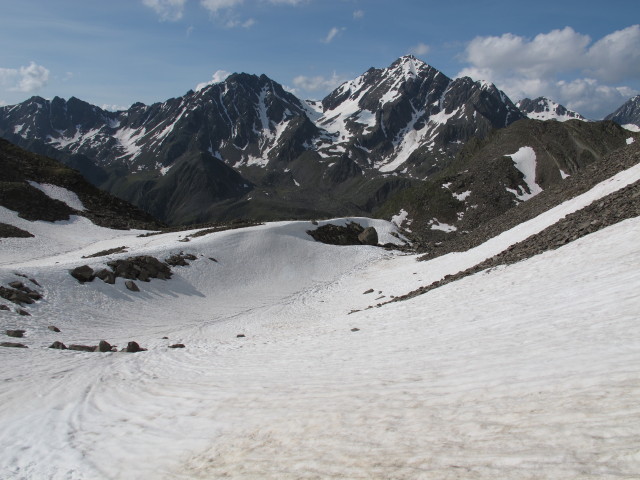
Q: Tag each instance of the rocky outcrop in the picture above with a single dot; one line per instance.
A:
(19, 293)
(141, 268)
(351, 234)
(83, 273)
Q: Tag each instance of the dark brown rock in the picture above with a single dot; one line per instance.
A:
(177, 345)
(54, 328)
(12, 344)
(58, 345)
(24, 313)
(15, 333)
(107, 276)
(83, 273)
(82, 348)
(3, 307)
(133, 347)
(103, 346)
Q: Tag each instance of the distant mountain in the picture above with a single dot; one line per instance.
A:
(628, 113)
(544, 109)
(24, 176)
(246, 147)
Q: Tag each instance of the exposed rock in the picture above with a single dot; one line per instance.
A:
(15, 333)
(107, 276)
(180, 259)
(131, 285)
(83, 273)
(19, 293)
(12, 344)
(133, 347)
(355, 329)
(240, 335)
(141, 268)
(10, 231)
(103, 346)
(58, 345)
(104, 253)
(24, 313)
(177, 345)
(338, 235)
(82, 348)
(54, 328)
(368, 291)
(3, 307)
(369, 236)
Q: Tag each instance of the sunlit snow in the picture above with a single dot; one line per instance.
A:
(525, 161)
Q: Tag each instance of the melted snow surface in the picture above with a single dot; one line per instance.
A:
(528, 371)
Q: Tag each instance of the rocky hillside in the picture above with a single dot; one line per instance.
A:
(25, 179)
(510, 168)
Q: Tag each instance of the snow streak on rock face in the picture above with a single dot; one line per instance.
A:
(525, 161)
(525, 371)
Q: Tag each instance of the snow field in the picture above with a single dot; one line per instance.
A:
(528, 371)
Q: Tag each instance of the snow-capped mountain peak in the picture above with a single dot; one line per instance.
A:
(543, 108)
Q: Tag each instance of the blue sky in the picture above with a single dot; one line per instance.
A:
(584, 54)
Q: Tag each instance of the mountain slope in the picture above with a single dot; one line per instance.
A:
(628, 113)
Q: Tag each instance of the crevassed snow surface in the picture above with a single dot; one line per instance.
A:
(525, 161)
(529, 371)
(59, 193)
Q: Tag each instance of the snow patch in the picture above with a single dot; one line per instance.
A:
(525, 161)
(631, 127)
(59, 193)
(630, 140)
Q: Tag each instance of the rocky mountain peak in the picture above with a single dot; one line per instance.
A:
(542, 108)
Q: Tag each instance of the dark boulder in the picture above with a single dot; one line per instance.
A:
(82, 348)
(177, 345)
(58, 346)
(83, 274)
(24, 313)
(15, 333)
(12, 344)
(107, 276)
(4, 307)
(133, 347)
(103, 346)
(131, 285)
(53, 328)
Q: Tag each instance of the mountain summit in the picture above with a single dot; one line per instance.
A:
(543, 108)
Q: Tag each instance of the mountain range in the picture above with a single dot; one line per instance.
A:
(247, 148)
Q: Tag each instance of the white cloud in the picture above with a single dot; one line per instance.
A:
(237, 23)
(420, 49)
(25, 79)
(318, 83)
(167, 10)
(113, 108)
(358, 14)
(562, 64)
(217, 77)
(214, 6)
(287, 2)
(333, 33)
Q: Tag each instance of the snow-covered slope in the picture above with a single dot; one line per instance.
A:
(543, 108)
(528, 371)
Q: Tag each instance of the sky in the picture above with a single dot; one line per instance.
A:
(584, 54)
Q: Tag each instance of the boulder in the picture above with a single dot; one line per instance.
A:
(15, 333)
(177, 345)
(82, 348)
(369, 236)
(131, 285)
(83, 273)
(24, 313)
(133, 347)
(107, 276)
(103, 346)
(58, 345)
(12, 344)
(54, 328)
(4, 307)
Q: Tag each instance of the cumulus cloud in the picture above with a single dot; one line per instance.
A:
(420, 49)
(358, 14)
(562, 64)
(318, 83)
(217, 77)
(214, 6)
(167, 10)
(333, 33)
(24, 79)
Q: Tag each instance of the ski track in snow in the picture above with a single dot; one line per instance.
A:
(529, 371)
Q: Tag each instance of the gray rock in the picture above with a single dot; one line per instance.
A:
(4, 307)
(369, 236)
(131, 285)
(82, 348)
(24, 313)
(177, 345)
(54, 328)
(368, 291)
(83, 273)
